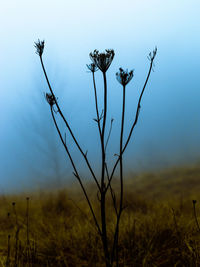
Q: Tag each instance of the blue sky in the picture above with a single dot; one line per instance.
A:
(168, 131)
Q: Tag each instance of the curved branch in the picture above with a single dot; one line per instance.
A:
(66, 123)
(111, 122)
(116, 235)
(76, 174)
(135, 121)
(96, 104)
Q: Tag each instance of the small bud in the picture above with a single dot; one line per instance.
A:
(92, 67)
(50, 99)
(153, 54)
(39, 45)
(124, 77)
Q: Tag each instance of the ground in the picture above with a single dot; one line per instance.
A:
(158, 226)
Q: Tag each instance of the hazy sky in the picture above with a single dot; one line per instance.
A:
(168, 130)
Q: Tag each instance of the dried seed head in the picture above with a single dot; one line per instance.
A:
(39, 45)
(152, 55)
(50, 99)
(102, 60)
(124, 77)
(92, 67)
(194, 202)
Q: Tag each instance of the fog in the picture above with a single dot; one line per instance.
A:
(168, 130)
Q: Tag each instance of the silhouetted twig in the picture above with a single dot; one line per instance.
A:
(76, 174)
(136, 116)
(40, 47)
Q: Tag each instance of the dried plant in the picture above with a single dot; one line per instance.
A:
(102, 62)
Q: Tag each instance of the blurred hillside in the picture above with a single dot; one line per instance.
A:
(54, 228)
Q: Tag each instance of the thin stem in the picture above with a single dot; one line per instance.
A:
(111, 122)
(175, 223)
(8, 253)
(138, 107)
(76, 173)
(27, 221)
(103, 131)
(195, 214)
(66, 123)
(105, 103)
(134, 123)
(16, 235)
(121, 145)
(114, 248)
(27, 231)
(116, 236)
(103, 193)
(111, 191)
(96, 104)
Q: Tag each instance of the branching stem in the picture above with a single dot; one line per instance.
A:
(96, 104)
(134, 123)
(76, 172)
(111, 122)
(101, 61)
(103, 193)
(116, 235)
(67, 125)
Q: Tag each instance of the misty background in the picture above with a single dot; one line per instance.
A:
(168, 130)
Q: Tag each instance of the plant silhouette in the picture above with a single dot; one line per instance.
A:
(102, 62)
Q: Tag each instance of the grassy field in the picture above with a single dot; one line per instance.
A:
(158, 226)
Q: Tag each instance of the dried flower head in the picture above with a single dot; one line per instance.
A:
(92, 67)
(124, 77)
(50, 99)
(39, 45)
(152, 55)
(102, 60)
